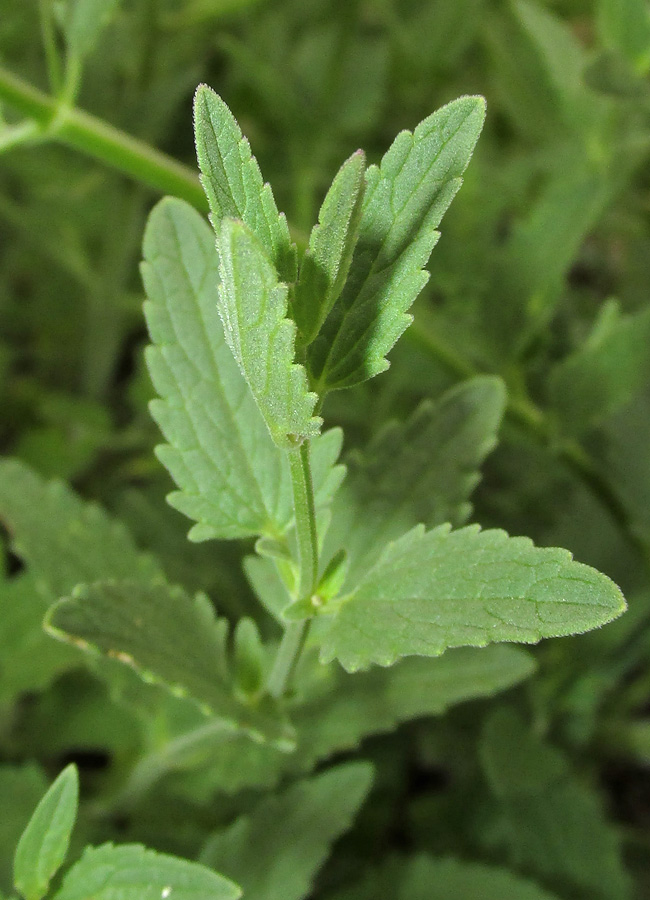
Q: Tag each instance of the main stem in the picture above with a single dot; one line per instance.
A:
(295, 634)
(102, 141)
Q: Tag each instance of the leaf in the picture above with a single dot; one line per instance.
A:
(327, 261)
(347, 710)
(430, 591)
(555, 826)
(131, 872)
(168, 639)
(29, 659)
(63, 539)
(84, 22)
(605, 373)
(253, 308)
(427, 878)
(44, 843)
(233, 182)
(405, 200)
(624, 26)
(275, 852)
(233, 480)
(21, 789)
(422, 470)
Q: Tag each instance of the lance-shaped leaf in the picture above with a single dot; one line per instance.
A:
(169, 639)
(63, 539)
(253, 307)
(554, 824)
(327, 260)
(233, 480)
(421, 471)
(131, 872)
(43, 846)
(405, 199)
(233, 182)
(275, 852)
(430, 591)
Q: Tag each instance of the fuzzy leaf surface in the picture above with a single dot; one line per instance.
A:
(275, 852)
(233, 480)
(430, 591)
(233, 182)
(327, 260)
(167, 637)
(131, 872)
(254, 308)
(422, 470)
(44, 843)
(405, 200)
(63, 539)
(555, 825)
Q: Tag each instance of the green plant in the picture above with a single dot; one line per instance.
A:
(319, 693)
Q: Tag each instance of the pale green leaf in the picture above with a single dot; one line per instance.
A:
(84, 22)
(131, 872)
(275, 852)
(21, 789)
(233, 480)
(233, 182)
(326, 263)
(63, 539)
(421, 471)
(44, 843)
(427, 878)
(168, 638)
(555, 824)
(405, 200)
(430, 591)
(605, 373)
(254, 309)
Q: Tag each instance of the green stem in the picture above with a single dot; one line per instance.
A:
(49, 42)
(98, 139)
(295, 634)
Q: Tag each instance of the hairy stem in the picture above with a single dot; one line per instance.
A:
(102, 141)
(295, 635)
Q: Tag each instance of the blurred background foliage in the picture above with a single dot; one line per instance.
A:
(541, 276)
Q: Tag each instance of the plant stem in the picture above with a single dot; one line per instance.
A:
(50, 45)
(295, 634)
(96, 138)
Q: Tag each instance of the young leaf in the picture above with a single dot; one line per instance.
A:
(326, 263)
(21, 790)
(233, 182)
(555, 825)
(131, 872)
(405, 200)
(430, 591)
(233, 480)
(253, 307)
(603, 375)
(421, 471)
(43, 846)
(275, 852)
(168, 638)
(64, 540)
